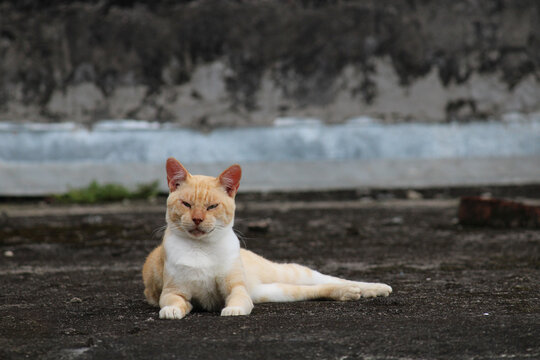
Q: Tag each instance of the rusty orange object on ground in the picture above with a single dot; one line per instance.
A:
(474, 210)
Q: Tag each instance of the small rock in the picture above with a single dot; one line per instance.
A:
(69, 331)
(316, 223)
(259, 226)
(8, 253)
(93, 219)
(396, 220)
(75, 300)
(352, 230)
(414, 195)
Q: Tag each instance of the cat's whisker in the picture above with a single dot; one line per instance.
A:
(158, 230)
(241, 234)
(243, 220)
(174, 227)
(241, 237)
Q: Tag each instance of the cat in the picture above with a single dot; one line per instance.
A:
(200, 262)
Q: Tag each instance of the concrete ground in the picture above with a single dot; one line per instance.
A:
(70, 284)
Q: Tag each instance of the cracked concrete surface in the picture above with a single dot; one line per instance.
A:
(72, 288)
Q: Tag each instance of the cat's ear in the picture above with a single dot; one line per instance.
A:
(230, 179)
(176, 173)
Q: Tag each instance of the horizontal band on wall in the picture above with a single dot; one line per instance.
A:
(37, 179)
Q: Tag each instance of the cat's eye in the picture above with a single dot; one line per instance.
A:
(212, 207)
(186, 204)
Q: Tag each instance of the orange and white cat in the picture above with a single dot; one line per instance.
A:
(200, 261)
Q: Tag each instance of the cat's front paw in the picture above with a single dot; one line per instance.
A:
(375, 289)
(234, 311)
(171, 312)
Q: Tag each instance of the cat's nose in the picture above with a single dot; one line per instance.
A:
(197, 221)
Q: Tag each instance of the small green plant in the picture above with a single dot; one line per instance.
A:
(98, 193)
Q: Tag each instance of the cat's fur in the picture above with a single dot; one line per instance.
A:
(200, 261)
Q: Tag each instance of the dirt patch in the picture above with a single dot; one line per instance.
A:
(72, 287)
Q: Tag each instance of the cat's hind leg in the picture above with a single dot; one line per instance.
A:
(153, 276)
(277, 292)
(302, 275)
(373, 289)
(261, 270)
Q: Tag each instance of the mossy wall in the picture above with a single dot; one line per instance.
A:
(206, 64)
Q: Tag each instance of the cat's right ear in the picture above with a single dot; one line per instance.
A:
(230, 179)
(176, 173)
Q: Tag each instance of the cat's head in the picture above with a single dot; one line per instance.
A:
(198, 205)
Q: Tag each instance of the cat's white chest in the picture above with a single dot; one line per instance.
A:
(199, 268)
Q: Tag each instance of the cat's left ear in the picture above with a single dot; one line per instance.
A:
(230, 179)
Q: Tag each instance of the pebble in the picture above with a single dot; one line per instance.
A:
(93, 219)
(8, 253)
(75, 300)
(414, 195)
(396, 220)
(69, 331)
(259, 226)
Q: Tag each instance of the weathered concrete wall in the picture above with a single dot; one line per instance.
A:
(216, 63)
